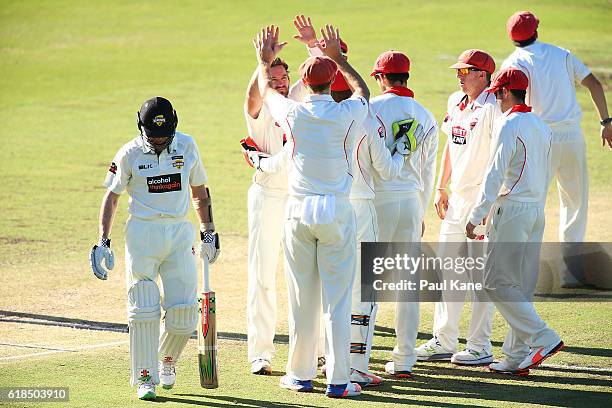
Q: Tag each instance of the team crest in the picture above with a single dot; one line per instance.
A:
(159, 120)
(113, 168)
(381, 132)
(178, 163)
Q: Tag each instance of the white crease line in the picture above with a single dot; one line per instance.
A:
(34, 346)
(91, 346)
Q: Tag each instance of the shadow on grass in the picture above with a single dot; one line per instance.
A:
(225, 401)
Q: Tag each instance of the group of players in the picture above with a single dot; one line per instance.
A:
(334, 169)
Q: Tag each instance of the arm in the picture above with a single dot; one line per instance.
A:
(441, 197)
(253, 100)
(108, 209)
(599, 100)
(386, 165)
(428, 171)
(210, 245)
(279, 161)
(332, 50)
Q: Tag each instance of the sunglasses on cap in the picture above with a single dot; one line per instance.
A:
(465, 71)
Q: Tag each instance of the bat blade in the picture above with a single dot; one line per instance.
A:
(207, 342)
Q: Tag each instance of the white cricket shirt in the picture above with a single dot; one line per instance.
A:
(553, 73)
(520, 163)
(417, 174)
(158, 186)
(320, 130)
(371, 156)
(469, 127)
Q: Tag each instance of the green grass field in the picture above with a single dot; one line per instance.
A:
(72, 76)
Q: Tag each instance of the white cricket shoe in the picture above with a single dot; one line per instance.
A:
(390, 369)
(506, 367)
(261, 366)
(146, 388)
(167, 374)
(433, 351)
(539, 354)
(471, 356)
(364, 379)
(343, 390)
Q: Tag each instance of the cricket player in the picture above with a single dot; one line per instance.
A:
(266, 202)
(160, 169)
(471, 113)
(553, 73)
(400, 201)
(513, 196)
(319, 230)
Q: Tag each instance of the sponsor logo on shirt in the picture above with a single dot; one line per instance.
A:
(113, 168)
(145, 166)
(164, 183)
(459, 135)
(381, 132)
(180, 156)
(179, 163)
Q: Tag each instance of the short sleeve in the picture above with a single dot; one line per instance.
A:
(197, 174)
(119, 173)
(298, 92)
(356, 107)
(577, 68)
(278, 106)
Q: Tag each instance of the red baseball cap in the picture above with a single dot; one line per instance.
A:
(391, 62)
(509, 78)
(522, 25)
(475, 59)
(318, 70)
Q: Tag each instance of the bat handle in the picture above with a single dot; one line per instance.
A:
(205, 275)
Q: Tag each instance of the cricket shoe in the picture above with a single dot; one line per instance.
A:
(261, 366)
(146, 388)
(433, 351)
(167, 373)
(538, 355)
(294, 384)
(343, 390)
(390, 369)
(364, 379)
(470, 356)
(504, 367)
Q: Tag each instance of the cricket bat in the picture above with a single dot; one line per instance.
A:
(207, 334)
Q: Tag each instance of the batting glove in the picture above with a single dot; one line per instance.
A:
(210, 246)
(102, 253)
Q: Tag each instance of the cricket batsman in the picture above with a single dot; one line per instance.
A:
(513, 196)
(471, 113)
(161, 170)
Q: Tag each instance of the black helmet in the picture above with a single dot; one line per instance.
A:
(157, 118)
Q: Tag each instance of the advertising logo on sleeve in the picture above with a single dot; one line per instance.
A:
(459, 135)
(164, 183)
(113, 168)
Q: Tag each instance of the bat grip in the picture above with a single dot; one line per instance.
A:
(205, 275)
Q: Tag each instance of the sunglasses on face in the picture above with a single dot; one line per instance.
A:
(465, 71)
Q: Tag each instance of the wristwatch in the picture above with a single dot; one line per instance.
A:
(605, 121)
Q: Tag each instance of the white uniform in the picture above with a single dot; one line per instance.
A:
(400, 204)
(514, 194)
(469, 128)
(266, 201)
(319, 228)
(553, 73)
(158, 242)
(371, 156)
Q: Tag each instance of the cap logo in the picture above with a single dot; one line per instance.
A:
(159, 120)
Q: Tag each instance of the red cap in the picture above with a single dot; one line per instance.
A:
(340, 83)
(318, 70)
(475, 59)
(391, 62)
(522, 25)
(509, 78)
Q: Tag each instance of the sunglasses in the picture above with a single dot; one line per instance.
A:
(465, 71)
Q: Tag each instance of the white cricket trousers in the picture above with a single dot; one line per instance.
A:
(447, 315)
(266, 208)
(363, 313)
(568, 161)
(515, 232)
(319, 263)
(160, 248)
(400, 215)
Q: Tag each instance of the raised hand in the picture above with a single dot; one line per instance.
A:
(266, 44)
(331, 49)
(306, 32)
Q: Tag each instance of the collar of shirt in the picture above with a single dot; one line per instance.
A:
(519, 108)
(318, 97)
(146, 149)
(400, 91)
(478, 102)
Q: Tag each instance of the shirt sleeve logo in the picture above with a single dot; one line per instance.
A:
(164, 183)
(113, 168)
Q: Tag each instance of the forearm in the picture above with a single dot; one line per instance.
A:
(445, 170)
(108, 209)
(202, 204)
(262, 79)
(597, 95)
(254, 101)
(353, 79)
